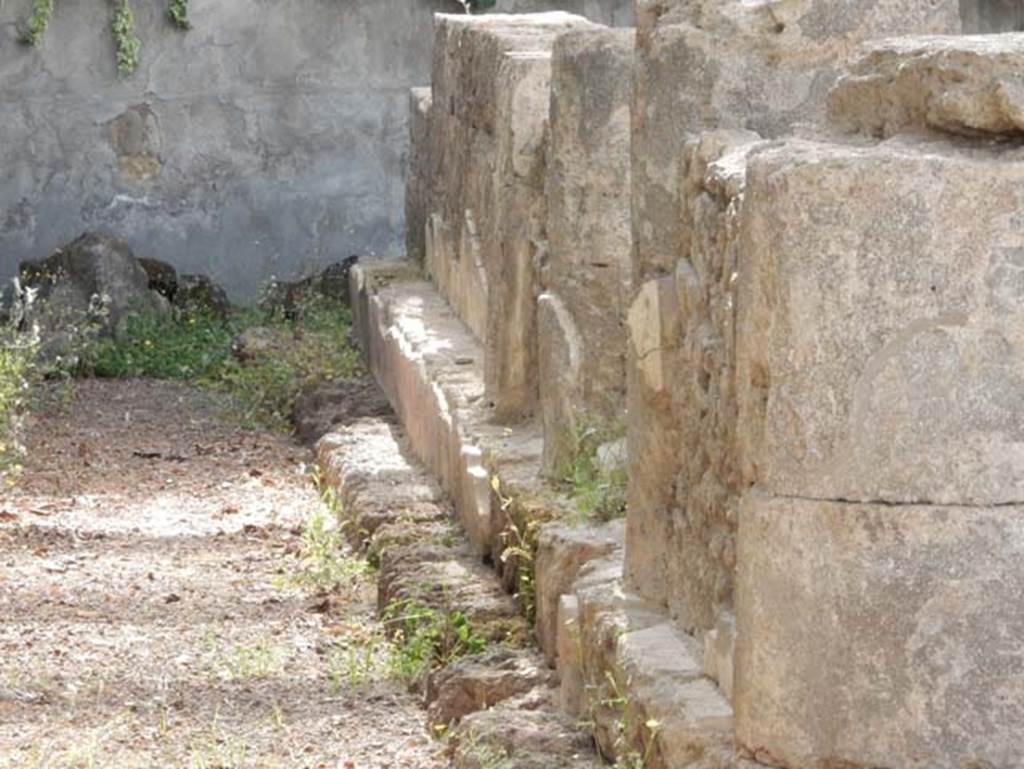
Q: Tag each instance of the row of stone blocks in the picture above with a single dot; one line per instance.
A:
(820, 360)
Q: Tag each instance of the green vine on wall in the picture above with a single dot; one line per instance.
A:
(177, 12)
(127, 45)
(126, 42)
(42, 11)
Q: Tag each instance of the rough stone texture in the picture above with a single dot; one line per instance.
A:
(571, 697)
(431, 368)
(880, 635)
(526, 732)
(709, 64)
(367, 464)
(198, 293)
(420, 176)
(562, 551)
(964, 85)
(636, 666)
(481, 681)
(328, 405)
(92, 285)
(719, 66)
(683, 468)
(581, 335)
(881, 342)
(269, 139)
(447, 577)
(491, 91)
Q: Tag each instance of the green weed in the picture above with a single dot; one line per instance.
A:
(598, 491)
(19, 374)
(428, 638)
(264, 388)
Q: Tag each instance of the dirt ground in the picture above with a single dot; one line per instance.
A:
(147, 617)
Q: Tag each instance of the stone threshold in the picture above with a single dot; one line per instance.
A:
(625, 670)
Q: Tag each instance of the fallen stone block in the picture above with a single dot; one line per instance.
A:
(968, 85)
(879, 635)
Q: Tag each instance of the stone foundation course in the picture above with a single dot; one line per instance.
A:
(780, 247)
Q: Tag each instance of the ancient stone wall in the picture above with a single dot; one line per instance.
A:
(705, 66)
(269, 139)
(824, 388)
(586, 277)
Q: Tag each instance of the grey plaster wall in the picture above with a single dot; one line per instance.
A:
(268, 140)
(992, 15)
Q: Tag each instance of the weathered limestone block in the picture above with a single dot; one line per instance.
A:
(561, 552)
(881, 323)
(762, 66)
(880, 635)
(420, 175)
(636, 668)
(683, 468)
(491, 92)
(525, 732)
(571, 697)
(970, 85)
(481, 681)
(589, 240)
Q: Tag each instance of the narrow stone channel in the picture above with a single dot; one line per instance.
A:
(149, 610)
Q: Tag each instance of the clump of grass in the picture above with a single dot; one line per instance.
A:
(598, 490)
(326, 564)
(260, 659)
(309, 348)
(19, 374)
(428, 638)
(191, 346)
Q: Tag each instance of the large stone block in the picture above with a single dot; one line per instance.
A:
(589, 240)
(562, 551)
(419, 178)
(969, 85)
(762, 66)
(491, 92)
(734, 68)
(881, 323)
(880, 635)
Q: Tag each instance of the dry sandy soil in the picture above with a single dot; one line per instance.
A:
(147, 614)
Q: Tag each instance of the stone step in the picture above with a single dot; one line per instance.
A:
(624, 666)
(391, 506)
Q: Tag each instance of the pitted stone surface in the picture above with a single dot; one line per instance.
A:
(880, 328)
(587, 277)
(481, 681)
(761, 66)
(562, 551)
(968, 85)
(491, 89)
(879, 635)
(684, 467)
